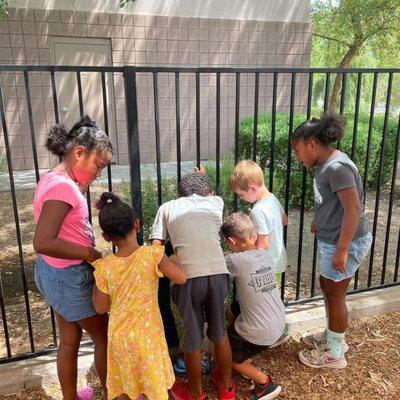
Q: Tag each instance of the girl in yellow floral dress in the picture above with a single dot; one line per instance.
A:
(126, 286)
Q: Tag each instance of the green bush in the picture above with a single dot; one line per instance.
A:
(296, 173)
(150, 199)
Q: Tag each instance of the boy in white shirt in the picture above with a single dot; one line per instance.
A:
(192, 224)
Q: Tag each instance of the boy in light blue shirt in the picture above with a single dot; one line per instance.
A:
(247, 181)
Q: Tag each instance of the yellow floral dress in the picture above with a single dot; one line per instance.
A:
(137, 356)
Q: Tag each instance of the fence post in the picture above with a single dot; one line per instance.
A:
(133, 142)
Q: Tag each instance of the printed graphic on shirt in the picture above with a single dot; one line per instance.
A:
(89, 231)
(263, 280)
(317, 194)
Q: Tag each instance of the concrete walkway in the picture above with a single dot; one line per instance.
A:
(42, 370)
(26, 179)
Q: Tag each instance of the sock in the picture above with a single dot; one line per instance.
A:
(335, 342)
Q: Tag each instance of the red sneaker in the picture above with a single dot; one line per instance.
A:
(224, 394)
(180, 391)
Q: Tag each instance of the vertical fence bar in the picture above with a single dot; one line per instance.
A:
(303, 196)
(31, 125)
(82, 112)
(378, 189)
(16, 219)
(157, 131)
(218, 135)
(57, 120)
(237, 121)
(396, 265)
(198, 148)
(273, 132)
(391, 201)
(178, 128)
(54, 93)
(370, 127)
(356, 115)
(327, 89)
(342, 103)
(367, 157)
(256, 87)
(343, 94)
(288, 168)
(106, 128)
(133, 143)
(4, 317)
(354, 144)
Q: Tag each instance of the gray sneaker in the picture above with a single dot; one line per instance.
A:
(322, 357)
(317, 340)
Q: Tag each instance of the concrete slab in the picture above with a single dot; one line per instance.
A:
(27, 179)
(42, 370)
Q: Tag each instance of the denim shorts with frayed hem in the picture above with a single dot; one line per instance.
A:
(67, 290)
(358, 250)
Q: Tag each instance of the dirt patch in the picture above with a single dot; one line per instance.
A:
(40, 314)
(372, 372)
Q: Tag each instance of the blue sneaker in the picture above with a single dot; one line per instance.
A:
(180, 368)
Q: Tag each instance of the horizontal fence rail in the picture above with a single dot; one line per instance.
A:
(245, 112)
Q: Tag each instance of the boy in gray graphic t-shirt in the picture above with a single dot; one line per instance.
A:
(260, 313)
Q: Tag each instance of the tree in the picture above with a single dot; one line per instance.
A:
(348, 28)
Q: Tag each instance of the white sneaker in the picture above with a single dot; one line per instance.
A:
(322, 357)
(318, 339)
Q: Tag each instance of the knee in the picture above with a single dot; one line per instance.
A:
(69, 345)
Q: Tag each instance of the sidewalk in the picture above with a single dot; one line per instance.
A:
(27, 180)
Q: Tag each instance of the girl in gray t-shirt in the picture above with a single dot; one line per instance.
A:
(341, 229)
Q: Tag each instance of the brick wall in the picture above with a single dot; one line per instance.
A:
(26, 38)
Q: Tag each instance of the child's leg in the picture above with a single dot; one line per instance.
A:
(247, 369)
(67, 356)
(322, 284)
(335, 293)
(96, 327)
(193, 369)
(223, 355)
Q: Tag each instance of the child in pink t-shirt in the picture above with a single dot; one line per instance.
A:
(64, 241)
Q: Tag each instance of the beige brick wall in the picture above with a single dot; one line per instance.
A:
(26, 38)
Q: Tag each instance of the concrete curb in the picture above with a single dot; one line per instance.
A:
(42, 370)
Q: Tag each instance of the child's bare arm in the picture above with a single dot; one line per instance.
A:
(156, 242)
(285, 219)
(101, 301)
(262, 241)
(171, 268)
(351, 206)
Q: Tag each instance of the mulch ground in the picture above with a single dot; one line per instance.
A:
(372, 373)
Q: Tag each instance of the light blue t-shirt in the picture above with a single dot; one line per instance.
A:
(267, 217)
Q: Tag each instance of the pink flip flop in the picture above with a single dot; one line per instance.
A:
(85, 393)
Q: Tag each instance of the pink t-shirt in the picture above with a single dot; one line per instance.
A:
(76, 227)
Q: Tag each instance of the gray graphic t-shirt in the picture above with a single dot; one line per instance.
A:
(338, 173)
(262, 317)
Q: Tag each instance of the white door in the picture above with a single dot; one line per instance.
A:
(84, 52)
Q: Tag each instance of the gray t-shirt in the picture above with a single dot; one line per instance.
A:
(192, 223)
(262, 317)
(337, 173)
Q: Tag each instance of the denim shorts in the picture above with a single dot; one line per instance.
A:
(67, 290)
(358, 250)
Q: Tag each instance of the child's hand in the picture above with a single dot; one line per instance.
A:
(339, 259)
(200, 169)
(313, 228)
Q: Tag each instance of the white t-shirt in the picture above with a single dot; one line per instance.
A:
(267, 217)
(192, 224)
(262, 313)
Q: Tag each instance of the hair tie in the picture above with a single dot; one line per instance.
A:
(109, 201)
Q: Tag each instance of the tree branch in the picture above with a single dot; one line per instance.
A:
(331, 38)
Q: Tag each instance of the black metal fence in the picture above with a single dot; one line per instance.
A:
(383, 221)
